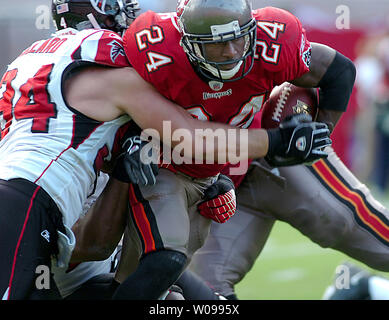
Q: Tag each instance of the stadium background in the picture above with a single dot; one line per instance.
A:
(291, 266)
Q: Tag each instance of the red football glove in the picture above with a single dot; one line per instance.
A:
(220, 200)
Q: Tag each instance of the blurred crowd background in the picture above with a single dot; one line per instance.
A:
(357, 28)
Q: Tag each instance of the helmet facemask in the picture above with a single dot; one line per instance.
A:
(127, 12)
(115, 15)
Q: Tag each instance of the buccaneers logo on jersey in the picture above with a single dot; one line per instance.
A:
(116, 50)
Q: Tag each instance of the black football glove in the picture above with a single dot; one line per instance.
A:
(129, 166)
(297, 140)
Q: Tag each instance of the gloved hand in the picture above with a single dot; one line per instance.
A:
(129, 166)
(219, 200)
(297, 140)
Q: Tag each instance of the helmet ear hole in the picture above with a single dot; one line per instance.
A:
(109, 22)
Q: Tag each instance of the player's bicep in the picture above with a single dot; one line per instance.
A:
(321, 58)
(90, 92)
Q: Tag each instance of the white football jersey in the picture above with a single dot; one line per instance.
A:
(69, 281)
(43, 139)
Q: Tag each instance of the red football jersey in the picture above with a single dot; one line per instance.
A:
(152, 45)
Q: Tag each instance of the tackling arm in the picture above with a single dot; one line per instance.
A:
(149, 109)
(334, 74)
(117, 91)
(252, 143)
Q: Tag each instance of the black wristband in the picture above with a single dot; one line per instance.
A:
(337, 84)
(275, 142)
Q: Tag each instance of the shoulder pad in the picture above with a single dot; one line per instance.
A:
(152, 45)
(282, 43)
(103, 47)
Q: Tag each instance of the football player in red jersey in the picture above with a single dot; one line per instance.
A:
(62, 102)
(219, 69)
(325, 202)
(214, 61)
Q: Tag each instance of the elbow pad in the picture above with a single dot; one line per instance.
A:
(337, 84)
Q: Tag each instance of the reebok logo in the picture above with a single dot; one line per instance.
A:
(301, 143)
(46, 234)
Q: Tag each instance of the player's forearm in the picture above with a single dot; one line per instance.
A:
(258, 142)
(226, 143)
(334, 74)
(174, 126)
(99, 231)
(207, 141)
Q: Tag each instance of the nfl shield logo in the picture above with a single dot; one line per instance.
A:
(216, 85)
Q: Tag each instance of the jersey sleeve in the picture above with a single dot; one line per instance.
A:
(149, 49)
(102, 47)
(281, 33)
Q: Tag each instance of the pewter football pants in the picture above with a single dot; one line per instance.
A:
(325, 202)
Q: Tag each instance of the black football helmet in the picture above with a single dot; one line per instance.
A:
(115, 15)
(216, 21)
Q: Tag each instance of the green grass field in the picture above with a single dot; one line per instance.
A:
(290, 267)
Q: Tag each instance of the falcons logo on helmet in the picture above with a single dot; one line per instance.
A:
(116, 50)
